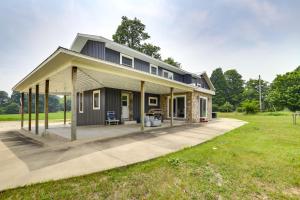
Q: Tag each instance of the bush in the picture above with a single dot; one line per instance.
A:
(226, 107)
(250, 106)
(215, 108)
(12, 108)
(240, 109)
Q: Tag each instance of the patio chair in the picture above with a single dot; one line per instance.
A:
(111, 118)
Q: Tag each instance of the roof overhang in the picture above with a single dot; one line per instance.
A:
(62, 59)
(81, 39)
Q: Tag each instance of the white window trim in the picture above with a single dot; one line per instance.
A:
(202, 97)
(96, 92)
(153, 104)
(168, 74)
(150, 70)
(175, 96)
(79, 100)
(126, 56)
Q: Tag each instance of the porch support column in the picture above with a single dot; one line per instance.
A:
(46, 105)
(29, 108)
(74, 105)
(172, 105)
(142, 105)
(37, 109)
(22, 109)
(65, 109)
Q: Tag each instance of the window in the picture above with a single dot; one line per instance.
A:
(126, 60)
(167, 74)
(153, 69)
(153, 101)
(203, 106)
(96, 100)
(125, 100)
(80, 103)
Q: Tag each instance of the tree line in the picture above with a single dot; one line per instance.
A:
(11, 104)
(235, 94)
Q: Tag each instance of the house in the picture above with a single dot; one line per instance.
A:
(101, 75)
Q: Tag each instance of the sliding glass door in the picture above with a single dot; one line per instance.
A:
(179, 107)
(203, 107)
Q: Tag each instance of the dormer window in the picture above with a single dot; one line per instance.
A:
(126, 60)
(168, 74)
(153, 69)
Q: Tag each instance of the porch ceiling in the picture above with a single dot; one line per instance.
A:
(92, 74)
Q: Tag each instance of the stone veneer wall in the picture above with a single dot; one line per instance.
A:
(196, 106)
(192, 105)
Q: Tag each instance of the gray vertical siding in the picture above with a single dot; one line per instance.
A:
(137, 104)
(98, 50)
(187, 78)
(110, 101)
(94, 49)
(147, 107)
(90, 116)
(178, 77)
(141, 65)
(202, 81)
(113, 101)
(112, 56)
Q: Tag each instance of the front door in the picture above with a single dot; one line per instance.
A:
(125, 106)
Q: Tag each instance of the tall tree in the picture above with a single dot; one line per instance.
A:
(251, 90)
(131, 32)
(218, 80)
(171, 61)
(4, 98)
(285, 91)
(235, 87)
(151, 50)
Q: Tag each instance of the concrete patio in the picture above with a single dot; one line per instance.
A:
(104, 131)
(26, 158)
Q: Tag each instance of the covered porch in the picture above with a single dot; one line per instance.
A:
(69, 73)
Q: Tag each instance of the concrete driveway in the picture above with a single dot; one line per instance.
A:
(28, 159)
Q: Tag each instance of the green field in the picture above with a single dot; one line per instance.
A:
(260, 160)
(52, 116)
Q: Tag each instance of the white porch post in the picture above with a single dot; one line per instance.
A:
(74, 105)
(172, 105)
(142, 105)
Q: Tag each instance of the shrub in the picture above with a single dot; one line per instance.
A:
(240, 109)
(215, 108)
(226, 107)
(12, 108)
(250, 106)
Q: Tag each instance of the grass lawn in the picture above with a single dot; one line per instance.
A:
(257, 161)
(52, 116)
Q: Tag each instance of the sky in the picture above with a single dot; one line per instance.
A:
(252, 36)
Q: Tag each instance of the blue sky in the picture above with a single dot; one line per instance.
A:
(253, 36)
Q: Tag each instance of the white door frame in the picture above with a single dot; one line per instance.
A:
(127, 99)
(206, 99)
(175, 97)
